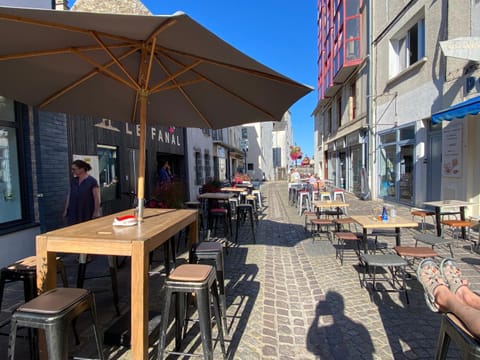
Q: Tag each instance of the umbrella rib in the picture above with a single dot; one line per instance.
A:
(112, 56)
(62, 27)
(159, 88)
(57, 51)
(261, 74)
(85, 78)
(171, 77)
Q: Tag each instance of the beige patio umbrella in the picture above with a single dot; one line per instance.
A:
(166, 70)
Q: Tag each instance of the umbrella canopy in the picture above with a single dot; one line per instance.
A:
(166, 70)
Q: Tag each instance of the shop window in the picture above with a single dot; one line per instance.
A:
(108, 172)
(12, 188)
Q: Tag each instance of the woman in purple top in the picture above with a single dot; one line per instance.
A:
(83, 200)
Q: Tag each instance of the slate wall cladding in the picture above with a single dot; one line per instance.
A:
(53, 168)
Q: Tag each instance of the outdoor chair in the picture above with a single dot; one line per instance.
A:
(433, 241)
(393, 263)
(452, 328)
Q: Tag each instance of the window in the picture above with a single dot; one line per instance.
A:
(12, 188)
(198, 169)
(208, 169)
(352, 101)
(108, 172)
(339, 112)
(409, 47)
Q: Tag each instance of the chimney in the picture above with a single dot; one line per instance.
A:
(61, 5)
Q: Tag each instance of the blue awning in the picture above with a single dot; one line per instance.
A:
(468, 107)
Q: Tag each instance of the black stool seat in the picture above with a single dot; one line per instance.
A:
(53, 311)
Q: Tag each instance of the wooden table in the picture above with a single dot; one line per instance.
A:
(445, 204)
(100, 237)
(329, 204)
(370, 223)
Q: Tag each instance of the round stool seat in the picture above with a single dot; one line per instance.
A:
(458, 223)
(346, 236)
(422, 213)
(191, 272)
(418, 252)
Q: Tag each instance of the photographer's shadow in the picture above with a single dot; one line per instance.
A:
(331, 330)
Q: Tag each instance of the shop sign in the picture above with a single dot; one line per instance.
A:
(163, 135)
(340, 143)
(353, 138)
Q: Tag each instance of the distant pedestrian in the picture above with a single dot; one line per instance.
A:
(83, 200)
(164, 174)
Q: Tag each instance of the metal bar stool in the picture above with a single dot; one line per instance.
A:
(212, 252)
(53, 311)
(201, 280)
(26, 270)
(242, 211)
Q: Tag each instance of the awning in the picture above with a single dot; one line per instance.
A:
(468, 107)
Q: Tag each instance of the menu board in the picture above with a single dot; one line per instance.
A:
(452, 150)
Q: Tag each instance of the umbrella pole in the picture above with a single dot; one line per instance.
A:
(141, 156)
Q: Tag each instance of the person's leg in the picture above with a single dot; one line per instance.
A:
(453, 276)
(440, 298)
(449, 302)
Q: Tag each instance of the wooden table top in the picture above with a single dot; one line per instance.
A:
(215, 196)
(331, 203)
(448, 203)
(94, 234)
(234, 189)
(370, 222)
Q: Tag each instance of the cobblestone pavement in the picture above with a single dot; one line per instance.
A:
(289, 298)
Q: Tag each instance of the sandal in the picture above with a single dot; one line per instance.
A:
(452, 274)
(429, 275)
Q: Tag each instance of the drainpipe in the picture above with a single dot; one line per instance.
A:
(370, 121)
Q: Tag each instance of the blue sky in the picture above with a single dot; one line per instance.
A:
(279, 33)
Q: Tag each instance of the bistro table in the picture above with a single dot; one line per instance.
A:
(371, 223)
(100, 237)
(446, 204)
(330, 204)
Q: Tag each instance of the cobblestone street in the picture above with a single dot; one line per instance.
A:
(289, 298)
